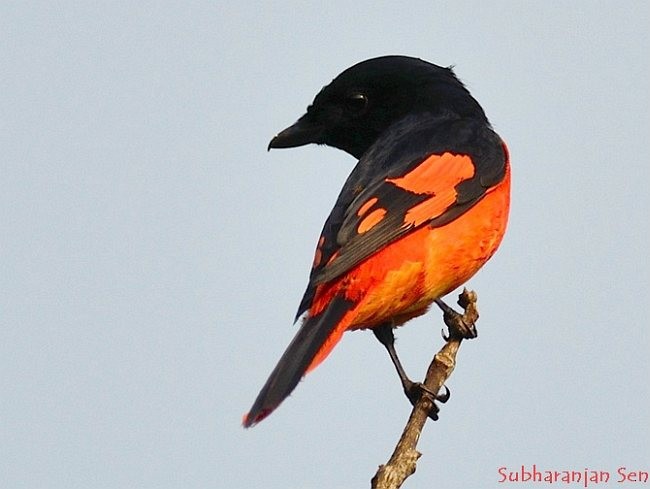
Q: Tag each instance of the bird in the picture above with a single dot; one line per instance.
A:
(425, 207)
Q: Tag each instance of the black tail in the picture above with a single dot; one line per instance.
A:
(296, 359)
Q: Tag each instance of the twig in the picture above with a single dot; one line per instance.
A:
(402, 462)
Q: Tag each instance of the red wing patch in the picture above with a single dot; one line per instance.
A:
(436, 173)
(318, 256)
(437, 176)
(366, 207)
(397, 205)
(371, 220)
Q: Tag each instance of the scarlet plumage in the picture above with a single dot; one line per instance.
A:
(423, 210)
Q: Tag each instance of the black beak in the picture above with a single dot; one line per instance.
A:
(301, 133)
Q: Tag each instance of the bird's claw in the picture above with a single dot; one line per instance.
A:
(416, 390)
(460, 325)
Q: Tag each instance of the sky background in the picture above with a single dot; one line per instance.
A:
(153, 253)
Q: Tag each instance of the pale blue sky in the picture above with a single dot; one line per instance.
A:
(153, 253)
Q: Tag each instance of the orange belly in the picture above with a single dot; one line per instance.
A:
(403, 279)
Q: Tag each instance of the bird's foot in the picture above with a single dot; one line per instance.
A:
(460, 325)
(416, 390)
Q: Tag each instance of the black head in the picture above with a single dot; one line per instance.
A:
(362, 102)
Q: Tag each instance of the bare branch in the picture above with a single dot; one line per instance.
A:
(402, 462)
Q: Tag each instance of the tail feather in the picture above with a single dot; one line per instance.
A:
(314, 340)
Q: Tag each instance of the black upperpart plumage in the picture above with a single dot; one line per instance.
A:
(406, 121)
(366, 99)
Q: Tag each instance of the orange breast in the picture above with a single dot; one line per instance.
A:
(456, 251)
(402, 280)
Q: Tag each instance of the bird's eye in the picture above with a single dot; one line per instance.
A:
(356, 103)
